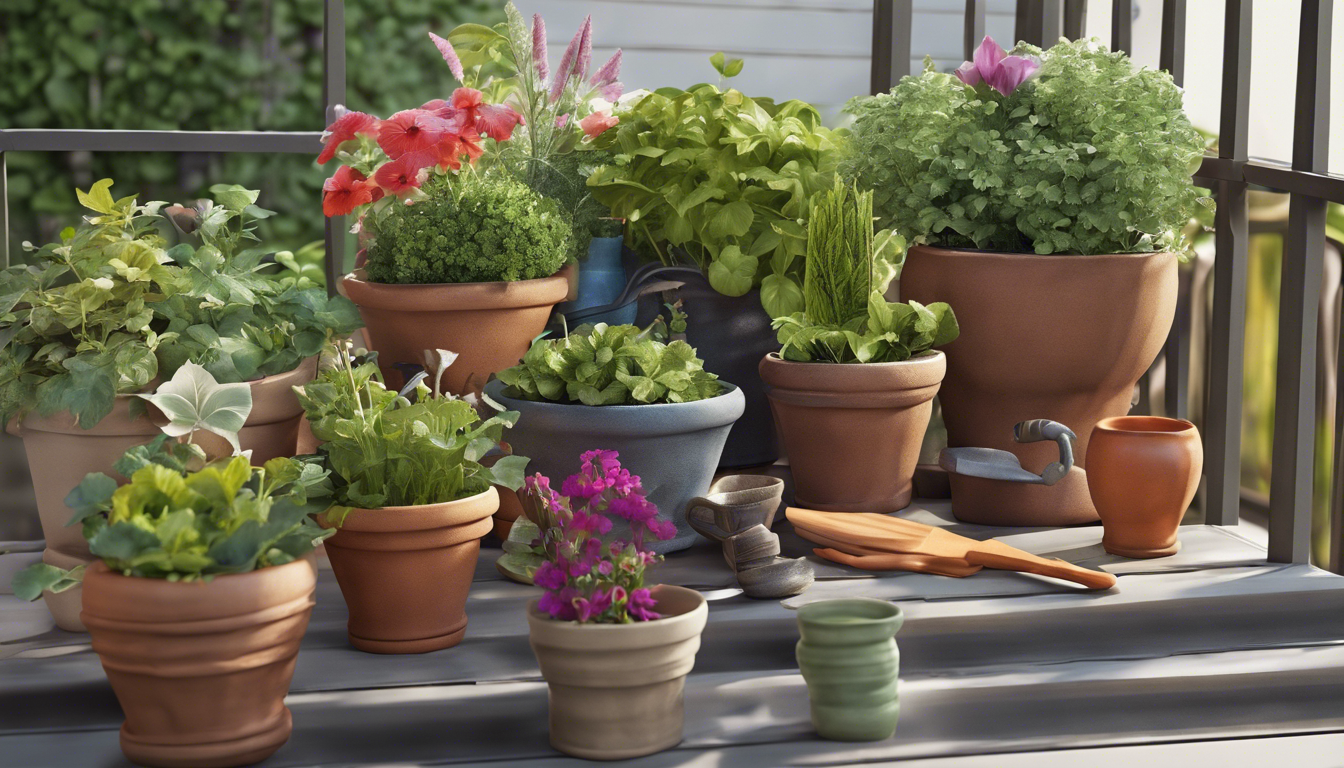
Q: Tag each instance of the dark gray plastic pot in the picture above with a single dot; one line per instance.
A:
(673, 447)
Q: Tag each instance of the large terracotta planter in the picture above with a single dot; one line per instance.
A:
(853, 431)
(489, 325)
(616, 689)
(850, 662)
(1064, 338)
(673, 447)
(60, 454)
(405, 571)
(1142, 473)
(201, 669)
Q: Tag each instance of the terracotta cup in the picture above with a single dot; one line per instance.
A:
(853, 431)
(405, 571)
(1143, 472)
(489, 325)
(61, 453)
(200, 668)
(849, 660)
(616, 690)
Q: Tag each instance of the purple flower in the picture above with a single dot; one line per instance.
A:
(567, 63)
(580, 487)
(641, 604)
(585, 56)
(539, 47)
(605, 567)
(549, 576)
(996, 68)
(449, 55)
(559, 604)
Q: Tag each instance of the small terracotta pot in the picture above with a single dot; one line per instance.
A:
(850, 662)
(853, 431)
(1042, 337)
(1143, 472)
(616, 689)
(201, 668)
(405, 571)
(489, 325)
(60, 454)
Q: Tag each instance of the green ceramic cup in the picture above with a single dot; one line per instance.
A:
(849, 660)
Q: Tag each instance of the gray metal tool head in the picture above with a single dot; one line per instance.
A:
(994, 464)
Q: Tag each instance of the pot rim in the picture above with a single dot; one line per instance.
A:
(924, 358)
(448, 297)
(833, 617)
(224, 596)
(1140, 425)
(974, 253)
(662, 631)
(724, 408)
(419, 517)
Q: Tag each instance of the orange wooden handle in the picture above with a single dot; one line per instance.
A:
(1041, 567)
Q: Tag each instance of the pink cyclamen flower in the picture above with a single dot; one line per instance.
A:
(597, 123)
(345, 128)
(410, 131)
(996, 68)
(449, 55)
(539, 47)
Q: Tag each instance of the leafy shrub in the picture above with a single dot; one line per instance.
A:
(475, 229)
(722, 177)
(610, 365)
(116, 304)
(386, 451)
(1091, 156)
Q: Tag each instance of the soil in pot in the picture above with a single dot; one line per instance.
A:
(200, 668)
(60, 454)
(489, 325)
(405, 571)
(616, 690)
(1064, 338)
(853, 431)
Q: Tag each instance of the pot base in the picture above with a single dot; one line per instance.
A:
(896, 504)
(418, 645)
(615, 754)
(1141, 554)
(995, 502)
(219, 754)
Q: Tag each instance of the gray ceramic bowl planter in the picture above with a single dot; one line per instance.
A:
(673, 447)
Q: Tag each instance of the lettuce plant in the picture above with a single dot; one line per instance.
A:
(610, 365)
(137, 291)
(384, 450)
(1086, 154)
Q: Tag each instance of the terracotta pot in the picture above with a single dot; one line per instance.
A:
(1143, 472)
(616, 689)
(1064, 338)
(405, 571)
(850, 662)
(489, 325)
(60, 454)
(853, 431)
(201, 669)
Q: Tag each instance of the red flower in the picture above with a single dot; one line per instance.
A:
(446, 112)
(345, 191)
(452, 149)
(468, 99)
(345, 128)
(495, 121)
(595, 124)
(411, 130)
(404, 173)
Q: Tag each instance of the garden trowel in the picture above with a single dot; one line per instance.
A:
(994, 464)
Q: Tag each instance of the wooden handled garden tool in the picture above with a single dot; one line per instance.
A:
(858, 556)
(897, 536)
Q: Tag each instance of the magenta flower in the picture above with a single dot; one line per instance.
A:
(548, 576)
(641, 604)
(539, 47)
(996, 68)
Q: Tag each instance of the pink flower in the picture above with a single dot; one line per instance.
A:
(495, 121)
(345, 128)
(596, 123)
(345, 191)
(449, 55)
(567, 62)
(401, 175)
(641, 604)
(996, 68)
(539, 47)
(607, 78)
(548, 576)
(559, 604)
(410, 130)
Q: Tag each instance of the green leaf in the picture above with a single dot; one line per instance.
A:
(732, 273)
(732, 220)
(193, 400)
(234, 197)
(29, 583)
(91, 496)
(98, 198)
(508, 471)
(781, 296)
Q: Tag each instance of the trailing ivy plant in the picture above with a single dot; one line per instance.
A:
(1091, 155)
(136, 291)
(723, 180)
(394, 449)
(611, 365)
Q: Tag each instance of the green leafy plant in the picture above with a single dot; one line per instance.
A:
(385, 450)
(192, 400)
(611, 365)
(722, 180)
(470, 229)
(846, 319)
(1092, 155)
(137, 291)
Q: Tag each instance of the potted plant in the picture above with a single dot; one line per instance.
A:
(1045, 193)
(413, 500)
(711, 178)
(620, 386)
(122, 302)
(614, 653)
(199, 595)
(852, 386)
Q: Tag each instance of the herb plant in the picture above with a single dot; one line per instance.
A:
(588, 579)
(846, 319)
(1090, 156)
(136, 291)
(384, 450)
(479, 228)
(723, 180)
(610, 365)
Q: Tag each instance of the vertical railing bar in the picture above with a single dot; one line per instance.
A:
(902, 29)
(1236, 100)
(1027, 24)
(4, 211)
(1336, 562)
(879, 76)
(1052, 22)
(1075, 18)
(1173, 39)
(333, 99)
(974, 26)
(1122, 25)
(1292, 473)
(1176, 400)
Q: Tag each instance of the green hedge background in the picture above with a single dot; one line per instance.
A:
(202, 65)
